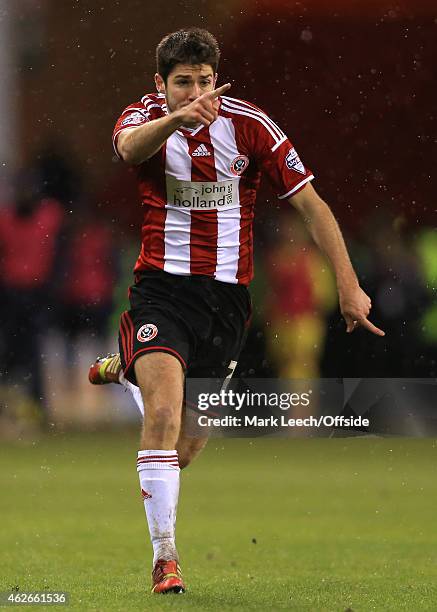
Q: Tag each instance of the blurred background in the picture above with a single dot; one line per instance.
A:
(352, 84)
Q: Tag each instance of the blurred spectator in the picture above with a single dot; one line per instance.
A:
(30, 232)
(302, 292)
(58, 172)
(85, 304)
(87, 290)
(391, 274)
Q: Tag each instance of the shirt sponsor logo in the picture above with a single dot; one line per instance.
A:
(201, 151)
(194, 195)
(239, 164)
(134, 119)
(293, 161)
(147, 332)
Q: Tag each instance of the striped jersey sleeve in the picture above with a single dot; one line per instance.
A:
(275, 154)
(148, 108)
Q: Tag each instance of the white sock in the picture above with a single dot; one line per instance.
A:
(159, 479)
(136, 393)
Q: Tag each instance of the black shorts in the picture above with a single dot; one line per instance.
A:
(200, 321)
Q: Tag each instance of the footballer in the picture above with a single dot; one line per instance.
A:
(199, 154)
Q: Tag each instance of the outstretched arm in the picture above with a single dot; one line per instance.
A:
(136, 145)
(355, 305)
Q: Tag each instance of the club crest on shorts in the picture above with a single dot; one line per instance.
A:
(147, 332)
(293, 161)
(239, 164)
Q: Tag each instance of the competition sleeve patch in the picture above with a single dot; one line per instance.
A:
(150, 107)
(283, 167)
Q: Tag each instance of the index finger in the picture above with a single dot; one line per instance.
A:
(219, 91)
(370, 327)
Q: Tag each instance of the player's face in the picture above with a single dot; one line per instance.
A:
(186, 83)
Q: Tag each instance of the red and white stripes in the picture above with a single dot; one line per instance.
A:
(203, 241)
(222, 135)
(177, 227)
(157, 460)
(184, 234)
(239, 107)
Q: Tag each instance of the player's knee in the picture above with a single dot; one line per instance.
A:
(163, 416)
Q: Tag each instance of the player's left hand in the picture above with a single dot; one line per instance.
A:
(355, 307)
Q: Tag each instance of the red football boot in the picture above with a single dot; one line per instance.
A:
(167, 577)
(105, 370)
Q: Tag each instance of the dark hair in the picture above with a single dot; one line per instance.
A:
(191, 46)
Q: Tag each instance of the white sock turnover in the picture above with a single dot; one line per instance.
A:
(158, 471)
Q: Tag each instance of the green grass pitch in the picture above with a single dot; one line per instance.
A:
(268, 524)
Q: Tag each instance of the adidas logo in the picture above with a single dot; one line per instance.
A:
(145, 495)
(201, 151)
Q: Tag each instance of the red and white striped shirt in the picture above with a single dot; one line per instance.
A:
(199, 189)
